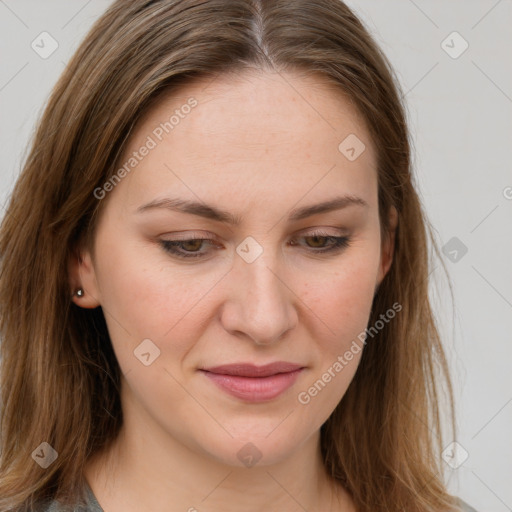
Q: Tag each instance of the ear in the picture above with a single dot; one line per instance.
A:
(388, 246)
(82, 275)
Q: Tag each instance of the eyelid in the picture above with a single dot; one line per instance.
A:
(320, 231)
(187, 236)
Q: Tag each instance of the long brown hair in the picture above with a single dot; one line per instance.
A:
(59, 375)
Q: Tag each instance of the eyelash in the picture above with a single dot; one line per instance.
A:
(339, 243)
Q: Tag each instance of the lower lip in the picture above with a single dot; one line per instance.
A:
(254, 389)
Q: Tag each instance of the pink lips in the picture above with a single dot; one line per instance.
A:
(254, 383)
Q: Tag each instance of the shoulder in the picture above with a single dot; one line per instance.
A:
(465, 507)
(55, 506)
(91, 504)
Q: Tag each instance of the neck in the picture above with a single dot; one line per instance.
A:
(137, 474)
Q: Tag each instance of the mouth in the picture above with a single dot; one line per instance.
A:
(254, 383)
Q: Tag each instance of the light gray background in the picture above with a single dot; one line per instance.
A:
(460, 113)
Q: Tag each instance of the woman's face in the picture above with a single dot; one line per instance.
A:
(263, 150)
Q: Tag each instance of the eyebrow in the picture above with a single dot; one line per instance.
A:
(213, 213)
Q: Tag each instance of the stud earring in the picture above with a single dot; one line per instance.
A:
(79, 292)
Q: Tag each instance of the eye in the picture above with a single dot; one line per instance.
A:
(185, 248)
(190, 248)
(320, 238)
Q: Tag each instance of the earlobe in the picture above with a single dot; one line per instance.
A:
(82, 279)
(388, 245)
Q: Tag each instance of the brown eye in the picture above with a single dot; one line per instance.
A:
(317, 242)
(185, 248)
(192, 245)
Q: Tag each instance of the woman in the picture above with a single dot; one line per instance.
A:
(214, 274)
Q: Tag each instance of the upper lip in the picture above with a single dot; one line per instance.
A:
(251, 370)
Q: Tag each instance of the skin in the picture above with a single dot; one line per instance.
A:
(258, 144)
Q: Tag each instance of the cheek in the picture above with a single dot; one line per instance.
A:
(146, 297)
(342, 303)
(342, 299)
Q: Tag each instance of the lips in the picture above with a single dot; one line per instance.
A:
(252, 383)
(251, 370)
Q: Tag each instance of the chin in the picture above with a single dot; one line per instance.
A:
(256, 446)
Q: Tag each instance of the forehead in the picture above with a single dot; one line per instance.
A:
(254, 133)
(257, 104)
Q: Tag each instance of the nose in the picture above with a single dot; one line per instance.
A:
(260, 303)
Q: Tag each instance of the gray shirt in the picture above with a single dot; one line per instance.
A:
(94, 506)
